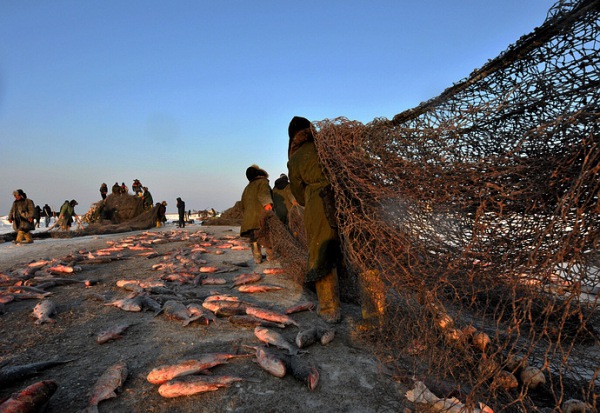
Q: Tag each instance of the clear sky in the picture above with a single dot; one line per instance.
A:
(186, 94)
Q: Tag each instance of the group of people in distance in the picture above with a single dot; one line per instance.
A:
(25, 216)
(307, 185)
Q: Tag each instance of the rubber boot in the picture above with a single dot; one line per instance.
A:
(20, 237)
(329, 297)
(372, 297)
(28, 238)
(256, 252)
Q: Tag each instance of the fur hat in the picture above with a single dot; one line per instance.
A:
(282, 181)
(20, 193)
(254, 171)
(296, 125)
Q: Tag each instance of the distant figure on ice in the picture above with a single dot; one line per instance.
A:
(181, 212)
(103, 190)
(47, 213)
(67, 214)
(116, 189)
(37, 215)
(256, 202)
(21, 216)
(136, 187)
(283, 200)
(147, 197)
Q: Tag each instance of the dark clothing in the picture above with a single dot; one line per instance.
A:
(37, 214)
(47, 213)
(21, 214)
(148, 201)
(136, 187)
(181, 212)
(283, 200)
(161, 214)
(116, 189)
(307, 182)
(103, 190)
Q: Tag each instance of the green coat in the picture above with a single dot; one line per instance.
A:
(20, 213)
(282, 202)
(148, 201)
(67, 212)
(256, 195)
(306, 182)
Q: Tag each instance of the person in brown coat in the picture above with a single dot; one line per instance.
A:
(21, 216)
(307, 182)
(312, 190)
(256, 201)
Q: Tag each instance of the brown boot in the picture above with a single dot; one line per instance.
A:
(256, 252)
(372, 297)
(20, 237)
(329, 298)
(270, 255)
(28, 238)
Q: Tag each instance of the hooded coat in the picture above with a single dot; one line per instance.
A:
(283, 198)
(307, 181)
(21, 212)
(255, 197)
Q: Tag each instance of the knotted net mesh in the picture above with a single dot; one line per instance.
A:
(477, 212)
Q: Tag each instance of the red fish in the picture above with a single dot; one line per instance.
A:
(300, 307)
(188, 386)
(258, 288)
(273, 271)
(164, 373)
(105, 388)
(31, 399)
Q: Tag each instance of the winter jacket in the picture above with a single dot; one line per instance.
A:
(20, 213)
(307, 181)
(282, 201)
(255, 197)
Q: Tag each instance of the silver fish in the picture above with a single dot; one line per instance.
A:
(43, 310)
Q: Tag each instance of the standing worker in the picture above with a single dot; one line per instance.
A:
(256, 201)
(181, 212)
(21, 216)
(311, 188)
(307, 182)
(47, 212)
(103, 190)
(283, 199)
(67, 214)
(147, 198)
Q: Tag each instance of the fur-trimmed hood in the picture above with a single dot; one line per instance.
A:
(254, 171)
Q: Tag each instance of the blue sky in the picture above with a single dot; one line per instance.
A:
(185, 95)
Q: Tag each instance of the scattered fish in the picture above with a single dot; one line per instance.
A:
(112, 333)
(12, 374)
(270, 361)
(308, 306)
(213, 281)
(107, 385)
(271, 316)
(273, 271)
(164, 373)
(251, 321)
(312, 335)
(174, 310)
(200, 313)
(258, 288)
(31, 399)
(191, 385)
(63, 269)
(134, 304)
(268, 336)
(248, 278)
(225, 308)
(208, 269)
(43, 311)
(302, 370)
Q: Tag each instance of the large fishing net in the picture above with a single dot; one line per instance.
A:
(477, 214)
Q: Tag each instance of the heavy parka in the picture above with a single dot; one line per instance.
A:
(307, 182)
(21, 213)
(255, 197)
